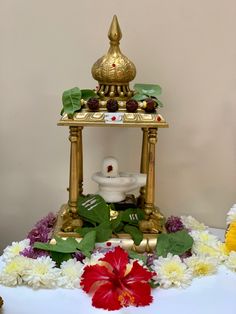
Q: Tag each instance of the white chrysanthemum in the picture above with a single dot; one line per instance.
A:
(71, 272)
(202, 265)
(217, 250)
(42, 273)
(231, 215)
(14, 249)
(231, 261)
(171, 271)
(12, 273)
(93, 259)
(204, 237)
(192, 224)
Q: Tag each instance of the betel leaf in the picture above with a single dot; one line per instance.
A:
(115, 223)
(135, 255)
(93, 208)
(132, 215)
(175, 243)
(88, 93)
(148, 89)
(139, 97)
(86, 245)
(159, 103)
(103, 231)
(71, 100)
(60, 257)
(135, 233)
(153, 284)
(68, 245)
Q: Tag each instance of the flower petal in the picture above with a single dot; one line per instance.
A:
(106, 297)
(138, 273)
(141, 293)
(118, 259)
(92, 274)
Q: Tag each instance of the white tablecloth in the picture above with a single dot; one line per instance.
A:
(214, 294)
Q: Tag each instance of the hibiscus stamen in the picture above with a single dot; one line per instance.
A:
(126, 299)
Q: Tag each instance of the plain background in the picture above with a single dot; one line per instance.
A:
(186, 46)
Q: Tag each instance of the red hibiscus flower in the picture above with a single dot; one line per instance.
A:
(116, 283)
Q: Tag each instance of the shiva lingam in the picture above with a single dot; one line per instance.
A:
(114, 106)
(113, 185)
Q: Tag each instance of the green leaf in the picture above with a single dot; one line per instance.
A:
(175, 243)
(71, 100)
(135, 233)
(68, 245)
(103, 231)
(138, 256)
(153, 284)
(148, 89)
(159, 103)
(116, 222)
(139, 97)
(87, 244)
(93, 208)
(88, 93)
(133, 215)
(60, 257)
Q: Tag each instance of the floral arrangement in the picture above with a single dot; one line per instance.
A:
(116, 278)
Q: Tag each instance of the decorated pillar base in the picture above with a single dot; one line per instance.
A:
(154, 222)
(65, 227)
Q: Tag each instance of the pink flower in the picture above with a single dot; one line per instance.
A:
(116, 283)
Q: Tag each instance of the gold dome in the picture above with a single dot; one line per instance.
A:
(114, 70)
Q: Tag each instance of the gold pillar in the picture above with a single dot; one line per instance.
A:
(143, 166)
(80, 161)
(150, 186)
(73, 183)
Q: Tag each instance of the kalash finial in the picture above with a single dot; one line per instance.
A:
(114, 70)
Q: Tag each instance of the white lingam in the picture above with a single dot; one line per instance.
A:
(113, 185)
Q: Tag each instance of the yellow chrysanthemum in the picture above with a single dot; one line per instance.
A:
(230, 238)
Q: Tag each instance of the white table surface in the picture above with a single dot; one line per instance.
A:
(214, 294)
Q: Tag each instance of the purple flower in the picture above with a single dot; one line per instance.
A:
(186, 255)
(39, 234)
(174, 224)
(150, 259)
(30, 252)
(79, 256)
(48, 221)
(42, 229)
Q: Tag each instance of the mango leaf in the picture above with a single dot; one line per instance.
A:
(135, 255)
(135, 233)
(71, 100)
(103, 231)
(132, 215)
(88, 93)
(86, 245)
(93, 208)
(60, 257)
(69, 245)
(175, 243)
(148, 89)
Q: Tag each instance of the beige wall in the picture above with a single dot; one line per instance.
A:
(186, 46)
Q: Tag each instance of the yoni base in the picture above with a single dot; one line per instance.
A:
(148, 243)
